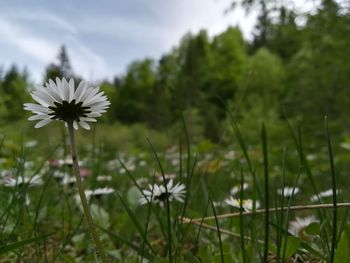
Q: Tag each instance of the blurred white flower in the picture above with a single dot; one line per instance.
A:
(4, 173)
(30, 144)
(122, 171)
(60, 100)
(113, 164)
(246, 204)
(69, 180)
(175, 162)
(237, 188)
(98, 192)
(104, 178)
(323, 194)
(158, 193)
(21, 180)
(142, 163)
(311, 157)
(345, 145)
(230, 155)
(288, 191)
(142, 181)
(218, 204)
(297, 227)
(129, 166)
(167, 176)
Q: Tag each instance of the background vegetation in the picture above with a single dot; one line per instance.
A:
(296, 65)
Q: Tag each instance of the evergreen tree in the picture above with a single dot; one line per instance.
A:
(14, 92)
(60, 69)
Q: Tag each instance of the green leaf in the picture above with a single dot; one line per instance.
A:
(293, 243)
(161, 260)
(115, 236)
(204, 253)
(133, 195)
(135, 221)
(313, 229)
(100, 215)
(22, 243)
(227, 257)
(342, 254)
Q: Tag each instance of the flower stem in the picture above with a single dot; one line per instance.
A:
(84, 202)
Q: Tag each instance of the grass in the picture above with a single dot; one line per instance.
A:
(43, 223)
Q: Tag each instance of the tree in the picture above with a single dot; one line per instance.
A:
(14, 93)
(134, 92)
(60, 69)
(321, 68)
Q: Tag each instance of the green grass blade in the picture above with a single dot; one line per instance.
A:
(241, 225)
(266, 176)
(145, 254)
(135, 221)
(20, 244)
(334, 193)
(170, 253)
(218, 230)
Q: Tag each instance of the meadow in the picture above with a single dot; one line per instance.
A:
(42, 219)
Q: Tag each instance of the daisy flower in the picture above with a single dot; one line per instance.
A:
(246, 204)
(98, 192)
(297, 227)
(104, 178)
(68, 180)
(323, 194)
(168, 176)
(158, 193)
(237, 188)
(20, 180)
(61, 100)
(288, 191)
(30, 144)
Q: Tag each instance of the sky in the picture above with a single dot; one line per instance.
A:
(103, 37)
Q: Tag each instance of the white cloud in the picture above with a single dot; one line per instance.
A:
(38, 48)
(42, 16)
(85, 62)
(170, 21)
(39, 33)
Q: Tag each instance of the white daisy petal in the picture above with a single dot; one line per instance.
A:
(84, 125)
(60, 88)
(93, 115)
(65, 90)
(38, 117)
(75, 125)
(86, 93)
(80, 91)
(40, 99)
(88, 119)
(90, 96)
(35, 107)
(71, 89)
(53, 91)
(95, 98)
(42, 123)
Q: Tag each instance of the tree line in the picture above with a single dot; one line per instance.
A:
(297, 64)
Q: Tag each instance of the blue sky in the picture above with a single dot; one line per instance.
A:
(103, 37)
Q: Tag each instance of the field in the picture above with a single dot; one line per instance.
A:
(42, 218)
